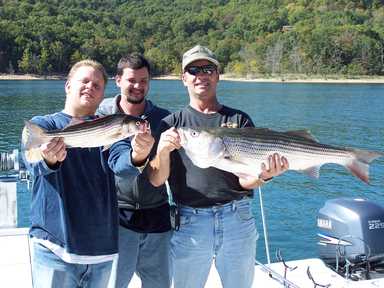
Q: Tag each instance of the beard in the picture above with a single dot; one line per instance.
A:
(134, 100)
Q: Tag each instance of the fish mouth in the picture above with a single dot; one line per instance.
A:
(143, 126)
(183, 139)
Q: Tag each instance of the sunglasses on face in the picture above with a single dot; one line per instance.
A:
(206, 69)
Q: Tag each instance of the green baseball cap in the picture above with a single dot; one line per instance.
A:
(198, 53)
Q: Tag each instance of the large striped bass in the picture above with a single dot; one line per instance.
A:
(101, 132)
(241, 151)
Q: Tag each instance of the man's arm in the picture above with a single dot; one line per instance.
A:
(159, 168)
(130, 156)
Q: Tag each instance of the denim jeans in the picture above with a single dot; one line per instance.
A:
(147, 254)
(49, 271)
(226, 234)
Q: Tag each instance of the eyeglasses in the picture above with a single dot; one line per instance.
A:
(206, 69)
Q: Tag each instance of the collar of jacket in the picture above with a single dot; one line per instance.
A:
(147, 110)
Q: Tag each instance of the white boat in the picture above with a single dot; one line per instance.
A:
(15, 269)
(15, 260)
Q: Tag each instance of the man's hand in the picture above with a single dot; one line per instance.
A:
(276, 165)
(142, 144)
(169, 141)
(159, 167)
(54, 151)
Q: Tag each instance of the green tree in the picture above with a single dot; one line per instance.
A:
(25, 64)
(43, 65)
(266, 36)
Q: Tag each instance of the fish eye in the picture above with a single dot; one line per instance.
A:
(194, 133)
(137, 123)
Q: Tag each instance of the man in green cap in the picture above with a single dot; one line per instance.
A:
(214, 207)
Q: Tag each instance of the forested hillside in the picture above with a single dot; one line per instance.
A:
(316, 37)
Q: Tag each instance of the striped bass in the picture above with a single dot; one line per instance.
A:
(100, 132)
(241, 151)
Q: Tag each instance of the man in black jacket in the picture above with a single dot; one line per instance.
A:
(144, 232)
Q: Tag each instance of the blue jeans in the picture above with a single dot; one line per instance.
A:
(49, 271)
(147, 254)
(226, 234)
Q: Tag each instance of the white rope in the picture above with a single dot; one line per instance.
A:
(265, 231)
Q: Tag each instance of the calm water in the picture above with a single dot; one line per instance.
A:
(349, 115)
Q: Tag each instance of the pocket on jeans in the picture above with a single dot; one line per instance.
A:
(186, 220)
(41, 248)
(244, 212)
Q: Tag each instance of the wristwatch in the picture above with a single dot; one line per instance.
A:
(263, 181)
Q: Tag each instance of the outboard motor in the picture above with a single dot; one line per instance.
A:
(351, 237)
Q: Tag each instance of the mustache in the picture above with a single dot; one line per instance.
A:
(132, 99)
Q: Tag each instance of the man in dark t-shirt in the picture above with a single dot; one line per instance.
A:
(216, 220)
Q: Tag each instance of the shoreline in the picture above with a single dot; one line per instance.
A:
(30, 77)
(227, 77)
(290, 79)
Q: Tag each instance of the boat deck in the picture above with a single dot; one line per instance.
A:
(15, 269)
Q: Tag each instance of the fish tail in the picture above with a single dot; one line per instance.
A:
(33, 155)
(359, 166)
(32, 135)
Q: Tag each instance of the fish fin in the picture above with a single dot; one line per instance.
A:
(306, 134)
(366, 156)
(31, 135)
(236, 167)
(359, 167)
(256, 129)
(244, 175)
(313, 171)
(33, 155)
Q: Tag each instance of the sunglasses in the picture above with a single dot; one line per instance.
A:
(206, 69)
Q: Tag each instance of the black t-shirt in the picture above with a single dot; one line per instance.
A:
(194, 186)
(153, 220)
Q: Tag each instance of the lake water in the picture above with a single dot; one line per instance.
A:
(339, 114)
